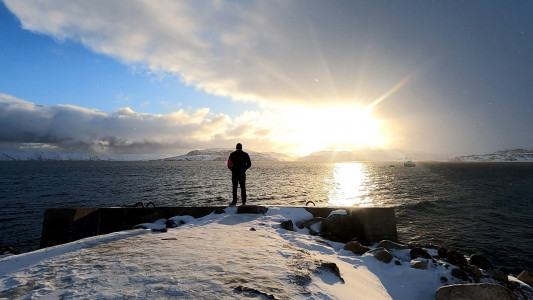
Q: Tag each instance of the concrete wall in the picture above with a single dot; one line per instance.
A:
(63, 225)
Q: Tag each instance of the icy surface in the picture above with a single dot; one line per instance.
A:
(222, 256)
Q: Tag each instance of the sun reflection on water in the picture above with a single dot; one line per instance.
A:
(350, 185)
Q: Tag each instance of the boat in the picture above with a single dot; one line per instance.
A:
(409, 163)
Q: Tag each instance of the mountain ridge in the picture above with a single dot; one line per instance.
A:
(511, 155)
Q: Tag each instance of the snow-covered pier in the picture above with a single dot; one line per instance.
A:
(63, 225)
(247, 251)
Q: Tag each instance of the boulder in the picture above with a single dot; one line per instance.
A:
(480, 261)
(288, 225)
(356, 247)
(10, 250)
(308, 223)
(459, 273)
(171, 224)
(419, 264)
(381, 254)
(219, 211)
(419, 252)
(252, 209)
(498, 275)
(526, 277)
(390, 245)
(486, 291)
(456, 258)
(341, 228)
(443, 253)
(474, 271)
(331, 267)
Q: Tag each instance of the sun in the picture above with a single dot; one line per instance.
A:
(310, 129)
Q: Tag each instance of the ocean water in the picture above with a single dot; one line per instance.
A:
(471, 207)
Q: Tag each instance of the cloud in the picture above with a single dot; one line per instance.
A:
(432, 66)
(281, 51)
(75, 129)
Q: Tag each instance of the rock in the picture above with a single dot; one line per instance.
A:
(471, 291)
(480, 261)
(252, 229)
(308, 223)
(381, 254)
(390, 245)
(397, 262)
(498, 275)
(171, 224)
(288, 225)
(342, 228)
(10, 250)
(332, 267)
(159, 229)
(459, 273)
(219, 211)
(356, 247)
(443, 252)
(419, 252)
(504, 270)
(526, 277)
(419, 264)
(315, 229)
(475, 271)
(252, 209)
(456, 258)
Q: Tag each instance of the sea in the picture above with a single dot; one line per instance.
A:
(482, 208)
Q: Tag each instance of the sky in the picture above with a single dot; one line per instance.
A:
(439, 78)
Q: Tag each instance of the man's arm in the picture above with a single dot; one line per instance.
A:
(248, 162)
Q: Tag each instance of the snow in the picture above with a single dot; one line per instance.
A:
(514, 155)
(219, 154)
(7, 155)
(224, 256)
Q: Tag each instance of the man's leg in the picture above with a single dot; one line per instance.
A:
(242, 182)
(234, 181)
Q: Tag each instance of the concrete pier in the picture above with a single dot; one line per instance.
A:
(63, 225)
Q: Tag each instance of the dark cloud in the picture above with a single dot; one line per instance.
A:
(75, 129)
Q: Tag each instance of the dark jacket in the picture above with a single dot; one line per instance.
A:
(239, 161)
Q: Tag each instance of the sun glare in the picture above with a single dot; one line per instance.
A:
(349, 185)
(331, 128)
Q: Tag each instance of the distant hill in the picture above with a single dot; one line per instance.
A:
(195, 155)
(223, 154)
(360, 155)
(517, 155)
(60, 156)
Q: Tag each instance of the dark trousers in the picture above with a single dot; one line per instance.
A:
(239, 178)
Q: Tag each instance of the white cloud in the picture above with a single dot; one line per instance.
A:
(71, 128)
(282, 51)
(298, 52)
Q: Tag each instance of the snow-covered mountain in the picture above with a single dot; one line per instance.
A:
(44, 156)
(223, 154)
(356, 155)
(514, 155)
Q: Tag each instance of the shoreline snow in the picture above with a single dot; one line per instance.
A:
(229, 255)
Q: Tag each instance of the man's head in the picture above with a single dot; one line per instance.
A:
(239, 146)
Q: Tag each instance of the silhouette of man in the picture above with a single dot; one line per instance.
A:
(238, 163)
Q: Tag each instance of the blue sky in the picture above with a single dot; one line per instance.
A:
(433, 79)
(48, 71)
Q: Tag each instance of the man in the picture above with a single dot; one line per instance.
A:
(238, 163)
